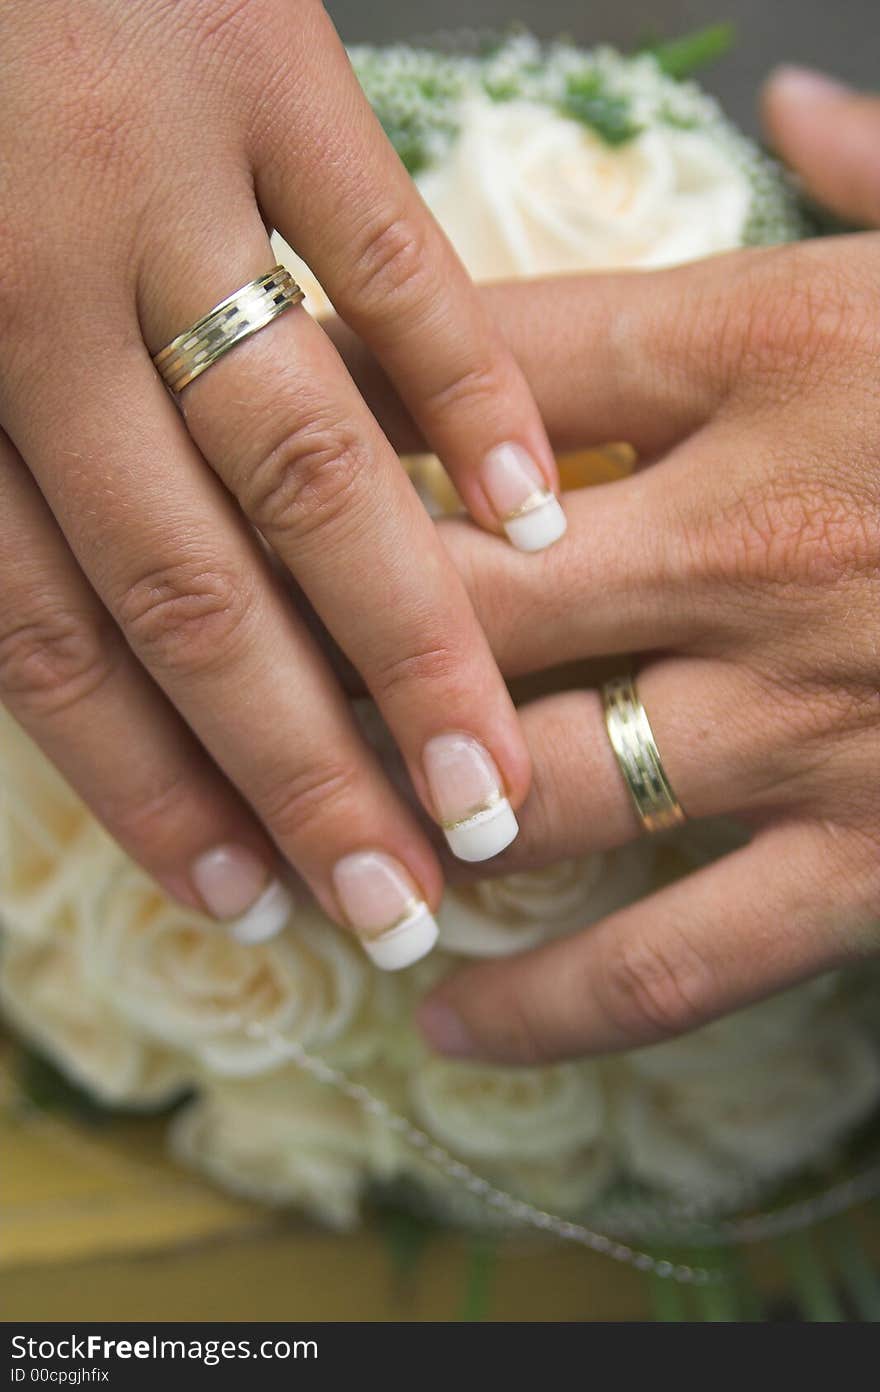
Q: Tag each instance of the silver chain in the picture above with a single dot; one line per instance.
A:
(518, 1210)
(725, 1232)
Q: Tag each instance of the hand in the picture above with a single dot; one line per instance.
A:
(143, 642)
(744, 565)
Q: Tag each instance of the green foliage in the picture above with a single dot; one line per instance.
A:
(588, 99)
(406, 1236)
(481, 1262)
(43, 1087)
(680, 58)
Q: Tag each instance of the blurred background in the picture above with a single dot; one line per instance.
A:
(843, 37)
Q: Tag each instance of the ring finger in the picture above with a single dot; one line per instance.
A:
(289, 435)
(719, 757)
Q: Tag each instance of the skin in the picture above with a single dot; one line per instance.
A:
(742, 562)
(146, 149)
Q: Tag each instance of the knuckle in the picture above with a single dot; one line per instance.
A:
(311, 799)
(470, 386)
(184, 616)
(801, 321)
(52, 661)
(647, 994)
(390, 263)
(791, 529)
(306, 482)
(428, 667)
(100, 123)
(154, 823)
(221, 23)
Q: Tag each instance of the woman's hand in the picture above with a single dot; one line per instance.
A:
(744, 565)
(143, 643)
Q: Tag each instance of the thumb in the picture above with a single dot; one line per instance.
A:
(830, 134)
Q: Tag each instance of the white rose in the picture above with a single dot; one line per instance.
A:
(538, 1133)
(186, 983)
(52, 851)
(527, 191)
(45, 996)
(286, 1139)
(753, 1110)
(483, 1112)
(749, 1037)
(514, 912)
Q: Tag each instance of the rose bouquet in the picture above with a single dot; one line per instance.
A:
(293, 1068)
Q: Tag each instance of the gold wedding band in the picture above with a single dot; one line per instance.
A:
(635, 748)
(238, 316)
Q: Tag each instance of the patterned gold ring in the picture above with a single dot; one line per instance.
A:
(638, 757)
(237, 317)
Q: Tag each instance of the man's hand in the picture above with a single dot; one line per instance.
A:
(743, 563)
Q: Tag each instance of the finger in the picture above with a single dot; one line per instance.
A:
(638, 356)
(830, 134)
(289, 435)
(612, 588)
(392, 274)
(756, 921)
(720, 760)
(624, 581)
(187, 582)
(71, 682)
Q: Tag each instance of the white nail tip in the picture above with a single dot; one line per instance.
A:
(265, 918)
(405, 944)
(538, 528)
(485, 834)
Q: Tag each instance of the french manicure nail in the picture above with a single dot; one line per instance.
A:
(444, 1030)
(382, 903)
(235, 886)
(477, 819)
(527, 509)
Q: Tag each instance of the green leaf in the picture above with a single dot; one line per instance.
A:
(811, 1282)
(721, 1301)
(480, 1271)
(588, 100)
(408, 139)
(42, 1086)
(501, 89)
(861, 1280)
(406, 1235)
(680, 58)
(667, 1300)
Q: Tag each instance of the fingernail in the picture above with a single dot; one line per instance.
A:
(444, 1030)
(806, 84)
(383, 904)
(477, 819)
(527, 509)
(235, 886)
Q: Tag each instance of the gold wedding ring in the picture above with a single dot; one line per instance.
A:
(237, 317)
(635, 748)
